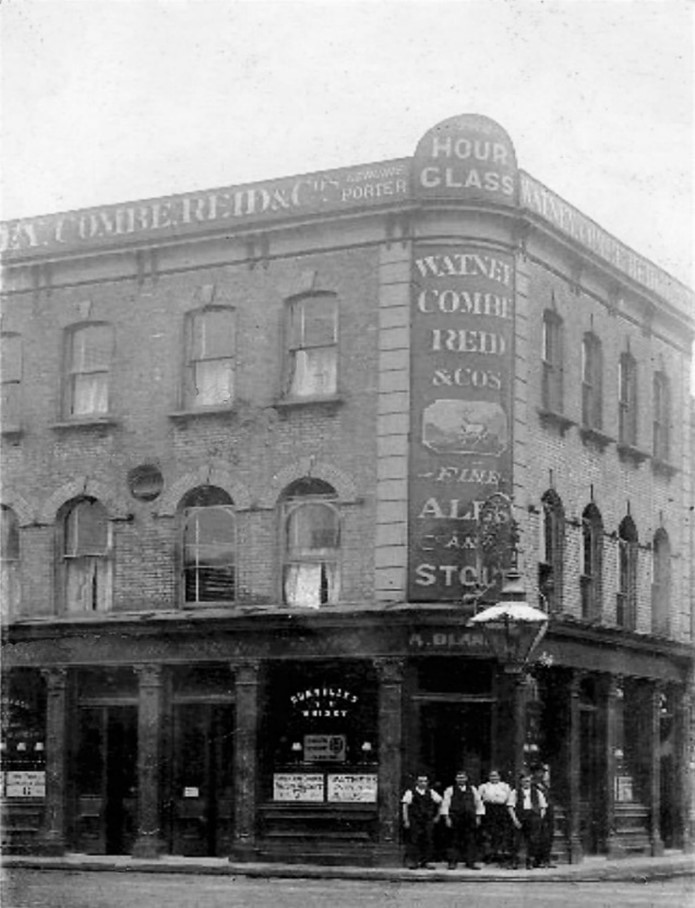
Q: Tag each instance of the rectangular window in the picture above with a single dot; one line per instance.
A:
(592, 369)
(89, 362)
(662, 418)
(313, 347)
(210, 358)
(11, 379)
(627, 400)
(552, 391)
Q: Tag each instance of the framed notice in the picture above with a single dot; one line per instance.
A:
(325, 748)
(623, 788)
(352, 788)
(298, 786)
(25, 784)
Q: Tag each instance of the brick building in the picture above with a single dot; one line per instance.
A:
(252, 441)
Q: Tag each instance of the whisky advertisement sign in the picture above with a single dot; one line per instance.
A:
(461, 417)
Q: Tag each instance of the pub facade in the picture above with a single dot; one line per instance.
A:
(266, 451)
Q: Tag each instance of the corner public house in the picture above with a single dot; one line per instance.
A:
(256, 442)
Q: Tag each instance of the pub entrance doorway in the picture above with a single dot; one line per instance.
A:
(455, 733)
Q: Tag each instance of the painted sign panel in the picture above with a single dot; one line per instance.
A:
(352, 789)
(297, 786)
(468, 157)
(461, 399)
(25, 784)
(321, 748)
(332, 190)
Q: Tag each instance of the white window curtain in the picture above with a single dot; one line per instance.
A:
(214, 382)
(311, 585)
(87, 584)
(315, 372)
(90, 362)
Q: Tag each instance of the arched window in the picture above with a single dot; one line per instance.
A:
(661, 583)
(312, 351)
(626, 605)
(551, 564)
(592, 563)
(210, 357)
(209, 546)
(89, 349)
(592, 379)
(86, 557)
(311, 544)
(662, 417)
(10, 590)
(552, 390)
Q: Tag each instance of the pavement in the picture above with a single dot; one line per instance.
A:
(591, 869)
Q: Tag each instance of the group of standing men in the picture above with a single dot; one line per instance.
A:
(495, 818)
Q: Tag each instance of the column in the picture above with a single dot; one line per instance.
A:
(52, 834)
(390, 675)
(655, 840)
(576, 852)
(246, 673)
(520, 689)
(614, 692)
(148, 843)
(685, 717)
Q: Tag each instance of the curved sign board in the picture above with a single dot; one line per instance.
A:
(470, 158)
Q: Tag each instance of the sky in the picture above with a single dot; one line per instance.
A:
(106, 101)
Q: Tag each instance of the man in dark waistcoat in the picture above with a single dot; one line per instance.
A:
(527, 807)
(420, 806)
(462, 810)
(541, 780)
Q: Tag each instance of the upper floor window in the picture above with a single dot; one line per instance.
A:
(626, 606)
(627, 399)
(311, 543)
(661, 583)
(550, 567)
(592, 377)
(89, 353)
(662, 417)
(209, 546)
(9, 562)
(552, 391)
(210, 357)
(11, 379)
(86, 557)
(312, 354)
(591, 562)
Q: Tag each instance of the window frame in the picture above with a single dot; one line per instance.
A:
(293, 348)
(188, 400)
(627, 400)
(70, 373)
(661, 437)
(591, 581)
(552, 377)
(10, 563)
(11, 386)
(592, 380)
(661, 583)
(628, 566)
(105, 559)
(186, 511)
(331, 556)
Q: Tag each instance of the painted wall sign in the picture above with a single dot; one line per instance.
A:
(542, 201)
(352, 789)
(332, 190)
(447, 640)
(325, 748)
(25, 784)
(297, 786)
(461, 405)
(468, 157)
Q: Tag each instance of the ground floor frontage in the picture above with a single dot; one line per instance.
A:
(292, 739)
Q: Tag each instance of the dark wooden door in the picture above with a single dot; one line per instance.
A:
(455, 735)
(202, 804)
(591, 776)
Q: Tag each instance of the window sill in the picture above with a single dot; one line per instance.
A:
(595, 437)
(185, 415)
(12, 432)
(217, 603)
(329, 401)
(663, 468)
(631, 453)
(86, 422)
(550, 418)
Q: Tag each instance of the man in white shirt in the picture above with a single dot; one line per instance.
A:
(497, 825)
(527, 806)
(420, 806)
